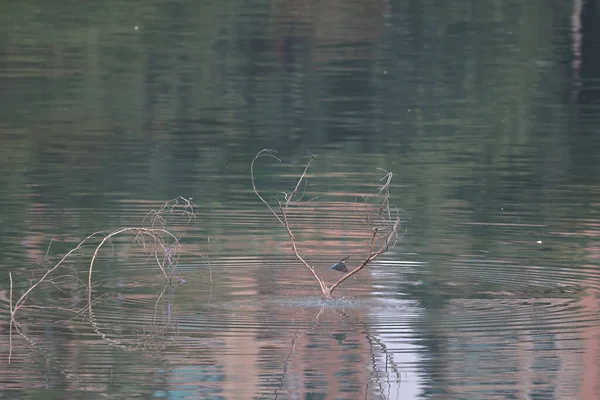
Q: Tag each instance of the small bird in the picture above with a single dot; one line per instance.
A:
(340, 266)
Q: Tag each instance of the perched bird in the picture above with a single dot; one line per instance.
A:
(340, 266)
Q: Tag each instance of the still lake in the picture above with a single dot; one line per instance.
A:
(487, 114)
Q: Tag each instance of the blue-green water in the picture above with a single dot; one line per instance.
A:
(485, 112)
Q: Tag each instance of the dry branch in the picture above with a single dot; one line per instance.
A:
(159, 243)
(384, 225)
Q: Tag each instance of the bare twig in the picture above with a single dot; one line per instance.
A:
(154, 234)
(10, 307)
(283, 207)
(384, 225)
(264, 153)
(180, 205)
(20, 302)
(41, 262)
(291, 235)
(208, 259)
(160, 243)
(389, 241)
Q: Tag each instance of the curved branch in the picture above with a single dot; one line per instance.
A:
(284, 202)
(264, 153)
(390, 239)
(19, 303)
(322, 284)
(389, 235)
(381, 223)
(151, 232)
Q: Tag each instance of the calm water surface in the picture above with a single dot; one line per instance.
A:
(486, 113)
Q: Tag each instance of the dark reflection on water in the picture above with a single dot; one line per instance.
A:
(486, 114)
